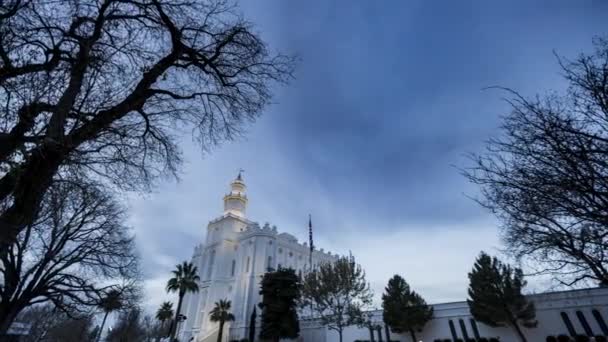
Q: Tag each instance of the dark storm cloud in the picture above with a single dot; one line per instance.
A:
(389, 93)
(387, 98)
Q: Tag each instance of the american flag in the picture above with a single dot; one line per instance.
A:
(310, 238)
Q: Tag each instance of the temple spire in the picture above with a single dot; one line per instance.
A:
(235, 202)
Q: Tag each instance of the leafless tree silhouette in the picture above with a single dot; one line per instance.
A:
(77, 249)
(546, 176)
(102, 89)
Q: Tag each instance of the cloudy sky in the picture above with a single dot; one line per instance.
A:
(388, 96)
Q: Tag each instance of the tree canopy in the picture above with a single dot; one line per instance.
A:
(337, 292)
(221, 314)
(281, 291)
(495, 295)
(185, 279)
(76, 250)
(404, 310)
(103, 90)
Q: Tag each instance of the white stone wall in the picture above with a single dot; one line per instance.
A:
(233, 239)
(550, 307)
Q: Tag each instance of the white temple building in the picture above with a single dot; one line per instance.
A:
(231, 261)
(237, 252)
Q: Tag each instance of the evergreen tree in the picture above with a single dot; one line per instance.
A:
(496, 298)
(337, 292)
(252, 320)
(281, 292)
(404, 310)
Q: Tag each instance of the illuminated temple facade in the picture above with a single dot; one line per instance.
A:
(231, 261)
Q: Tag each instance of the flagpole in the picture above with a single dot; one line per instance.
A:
(310, 241)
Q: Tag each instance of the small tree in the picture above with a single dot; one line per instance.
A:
(404, 310)
(110, 302)
(496, 298)
(338, 292)
(280, 292)
(221, 314)
(184, 280)
(164, 313)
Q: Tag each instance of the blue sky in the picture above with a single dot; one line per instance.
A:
(388, 97)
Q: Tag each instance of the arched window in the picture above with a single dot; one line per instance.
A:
(247, 265)
(211, 261)
(269, 262)
(233, 268)
(600, 321)
(568, 323)
(463, 328)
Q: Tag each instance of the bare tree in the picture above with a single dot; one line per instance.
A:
(546, 176)
(76, 251)
(102, 89)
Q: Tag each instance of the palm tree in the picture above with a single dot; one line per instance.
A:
(164, 313)
(184, 280)
(109, 302)
(221, 313)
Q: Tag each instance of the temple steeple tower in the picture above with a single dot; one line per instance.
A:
(235, 202)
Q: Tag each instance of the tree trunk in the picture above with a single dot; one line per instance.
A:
(340, 334)
(520, 333)
(388, 333)
(7, 317)
(103, 323)
(413, 335)
(219, 335)
(371, 334)
(176, 321)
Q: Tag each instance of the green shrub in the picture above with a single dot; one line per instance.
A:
(582, 338)
(551, 339)
(482, 339)
(494, 339)
(600, 338)
(563, 338)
